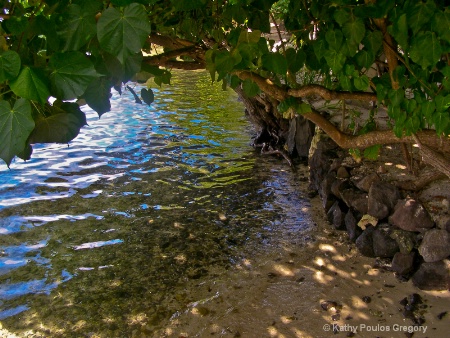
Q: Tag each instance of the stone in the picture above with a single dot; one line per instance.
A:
(322, 150)
(382, 199)
(351, 225)
(433, 276)
(342, 173)
(325, 191)
(338, 186)
(435, 245)
(364, 243)
(403, 263)
(406, 240)
(365, 183)
(383, 245)
(355, 199)
(410, 215)
(336, 216)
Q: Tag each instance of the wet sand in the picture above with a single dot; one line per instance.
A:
(279, 293)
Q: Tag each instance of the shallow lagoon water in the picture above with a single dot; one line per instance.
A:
(107, 236)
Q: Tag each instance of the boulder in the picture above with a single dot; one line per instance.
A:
(410, 215)
(435, 245)
(403, 263)
(336, 216)
(355, 199)
(342, 173)
(352, 226)
(406, 240)
(325, 191)
(383, 245)
(338, 186)
(364, 242)
(382, 199)
(365, 183)
(433, 276)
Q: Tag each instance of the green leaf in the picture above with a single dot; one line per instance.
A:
(147, 95)
(249, 37)
(275, 62)
(31, 84)
(426, 49)
(354, 31)
(440, 24)
(345, 82)
(428, 109)
(61, 127)
(334, 38)
(441, 121)
(15, 126)
(335, 60)
(373, 41)
(319, 48)
(16, 24)
(250, 88)
(365, 59)
(295, 59)
(396, 97)
(286, 104)
(361, 83)
(123, 33)
(420, 14)
(399, 30)
(71, 75)
(303, 108)
(341, 16)
(372, 152)
(78, 26)
(9, 65)
(97, 95)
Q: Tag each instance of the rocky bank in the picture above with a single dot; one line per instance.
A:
(376, 204)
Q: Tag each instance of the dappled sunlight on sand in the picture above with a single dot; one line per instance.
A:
(279, 294)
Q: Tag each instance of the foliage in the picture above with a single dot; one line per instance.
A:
(80, 49)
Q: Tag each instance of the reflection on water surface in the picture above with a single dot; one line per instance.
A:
(106, 236)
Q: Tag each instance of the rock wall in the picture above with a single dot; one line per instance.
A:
(382, 220)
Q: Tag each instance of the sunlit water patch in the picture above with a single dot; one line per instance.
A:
(105, 236)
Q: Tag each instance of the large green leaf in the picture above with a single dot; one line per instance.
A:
(420, 14)
(71, 75)
(61, 127)
(123, 33)
(77, 28)
(399, 30)
(9, 65)
(31, 84)
(15, 126)
(440, 24)
(335, 60)
(373, 41)
(275, 62)
(354, 31)
(426, 49)
(334, 38)
(98, 94)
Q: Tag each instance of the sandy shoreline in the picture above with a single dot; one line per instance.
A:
(279, 294)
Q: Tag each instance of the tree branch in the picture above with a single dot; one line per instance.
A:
(346, 141)
(329, 95)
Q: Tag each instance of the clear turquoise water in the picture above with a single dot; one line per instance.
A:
(105, 237)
